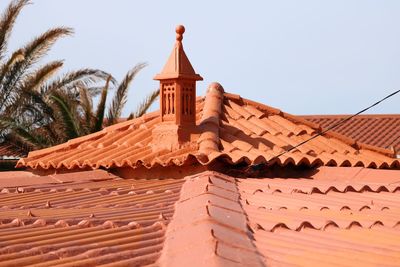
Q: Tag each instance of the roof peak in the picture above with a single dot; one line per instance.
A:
(178, 64)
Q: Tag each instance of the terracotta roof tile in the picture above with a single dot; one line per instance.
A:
(381, 130)
(230, 129)
(84, 219)
(317, 220)
(94, 218)
(209, 227)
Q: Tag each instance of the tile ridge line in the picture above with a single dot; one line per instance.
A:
(209, 140)
(204, 221)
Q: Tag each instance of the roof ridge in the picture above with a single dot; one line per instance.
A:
(209, 140)
(209, 218)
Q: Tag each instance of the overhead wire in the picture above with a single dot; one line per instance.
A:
(342, 121)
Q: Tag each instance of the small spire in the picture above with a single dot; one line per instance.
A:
(178, 64)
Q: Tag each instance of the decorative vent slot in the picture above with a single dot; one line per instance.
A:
(168, 98)
(187, 99)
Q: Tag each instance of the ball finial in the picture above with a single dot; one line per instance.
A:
(180, 30)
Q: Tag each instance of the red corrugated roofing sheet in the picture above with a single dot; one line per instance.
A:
(381, 130)
(230, 129)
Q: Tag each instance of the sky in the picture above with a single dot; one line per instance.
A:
(303, 57)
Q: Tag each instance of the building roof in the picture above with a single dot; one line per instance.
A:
(381, 130)
(229, 128)
(83, 219)
(296, 212)
(338, 217)
(209, 219)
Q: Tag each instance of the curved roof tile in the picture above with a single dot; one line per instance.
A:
(229, 128)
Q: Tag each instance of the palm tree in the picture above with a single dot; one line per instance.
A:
(38, 110)
(63, 116)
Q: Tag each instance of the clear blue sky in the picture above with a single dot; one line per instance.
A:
(304, 57)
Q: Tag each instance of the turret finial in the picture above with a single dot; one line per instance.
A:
(180, 30)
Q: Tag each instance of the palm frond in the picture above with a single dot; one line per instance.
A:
(34, 81)
(7, 21)
(94, 90)
(84, 76)
(33, 100)
(69, 121)
(29, 101)
(33, 51)
(145, 104)
(121, 95)
(86, 104)
(22, 133)
(101, 108)
(18, 143)
(39, 46)
(16, 57)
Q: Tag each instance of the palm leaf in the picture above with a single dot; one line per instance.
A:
(101, 108)
(66, 113)
(32, 52)
(19, 143)
(7, 21)
(35, 80)
(121, 95)
(83, 76)
(22, 133)
(16, 57)
(145, 104)
(86, 104)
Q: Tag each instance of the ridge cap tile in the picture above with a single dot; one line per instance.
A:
(201, 233)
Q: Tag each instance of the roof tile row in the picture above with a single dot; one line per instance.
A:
(381, 130)
(90, 222)
(232, 129)
(315, 221)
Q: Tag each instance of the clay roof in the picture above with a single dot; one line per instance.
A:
(229, 128)
(381, 130)
(93, 217)
(61, 213)
(83, 219)
(336, 217)
(218, 220)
